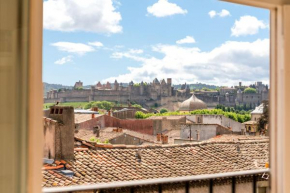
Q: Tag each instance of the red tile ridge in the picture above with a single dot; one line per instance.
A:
(81, 149)
(52, 167)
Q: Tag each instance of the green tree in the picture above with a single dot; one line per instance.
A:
(163, 110)
(137, 105)
(264, 119)
(88, 106)
(250, 90)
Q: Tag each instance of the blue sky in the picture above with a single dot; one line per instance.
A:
(188, 40)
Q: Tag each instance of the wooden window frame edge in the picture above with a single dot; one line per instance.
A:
(35, 99)
(279, 91)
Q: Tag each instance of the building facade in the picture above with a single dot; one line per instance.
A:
(142, 93)
(160, 93)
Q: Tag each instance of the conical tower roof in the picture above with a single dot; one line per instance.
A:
(192, 104)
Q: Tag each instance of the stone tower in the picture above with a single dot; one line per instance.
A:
(116, 85)
(169, 81)
(239, 96)
(142, 88)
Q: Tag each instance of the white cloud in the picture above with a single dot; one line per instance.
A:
(212, 13)
(97, 44)
(227, 64)
(186, 40)
(81, 15)
(223, 13)
(247, 25)
(163, 8)
(64, 60)
(132, 53)
(77, 48)
(135, 51)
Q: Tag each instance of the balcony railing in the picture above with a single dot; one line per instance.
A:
(160, 181)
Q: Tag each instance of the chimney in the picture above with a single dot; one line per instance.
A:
(197, 135)
(164, 139)
(158, 136)
(240, 84)
(95, 109)
(97, 131)
(59, 136)
(109, 113)
(93, 115)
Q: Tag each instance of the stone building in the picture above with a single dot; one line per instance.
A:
(231, 96)
(142, 93)
(158, 93)
(251, 127)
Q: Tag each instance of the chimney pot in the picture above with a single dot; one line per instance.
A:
(197, 135)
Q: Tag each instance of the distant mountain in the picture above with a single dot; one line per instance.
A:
(47, 87)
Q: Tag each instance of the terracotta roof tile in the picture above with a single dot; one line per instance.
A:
(137, 163)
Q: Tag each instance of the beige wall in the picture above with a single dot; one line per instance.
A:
(49, 138)
(222, 188)
(244, 187)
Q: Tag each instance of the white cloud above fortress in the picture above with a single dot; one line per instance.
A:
(224, 65)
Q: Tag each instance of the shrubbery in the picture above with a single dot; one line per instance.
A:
(232, 115)
(250, 90)
(163, 111)
(138, 106)
(100, 104)
(94, 139)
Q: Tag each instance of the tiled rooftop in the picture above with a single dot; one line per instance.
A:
(126, 163)
(167, 117)
(108, 134)
(226, 138)
(84, 117)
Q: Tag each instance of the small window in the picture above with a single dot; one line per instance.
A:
(60, 111)
(51, 111)
(56, 111)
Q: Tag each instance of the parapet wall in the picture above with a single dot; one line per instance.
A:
(138, 125)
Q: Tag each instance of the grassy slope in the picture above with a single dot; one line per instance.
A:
(73, 104)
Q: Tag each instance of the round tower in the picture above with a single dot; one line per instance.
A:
(142, 88)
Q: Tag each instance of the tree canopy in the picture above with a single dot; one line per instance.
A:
(232, 115)
(250, 90)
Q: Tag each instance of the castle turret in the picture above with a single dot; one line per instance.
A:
(169, 81)
(116, 85)
(108, 85)
(99, 85)
(142, 88)
(130, 87)
(187, 90)
(156, 82)
(239, 96)
(78, 85)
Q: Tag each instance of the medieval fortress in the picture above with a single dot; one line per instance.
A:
(157, 92)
